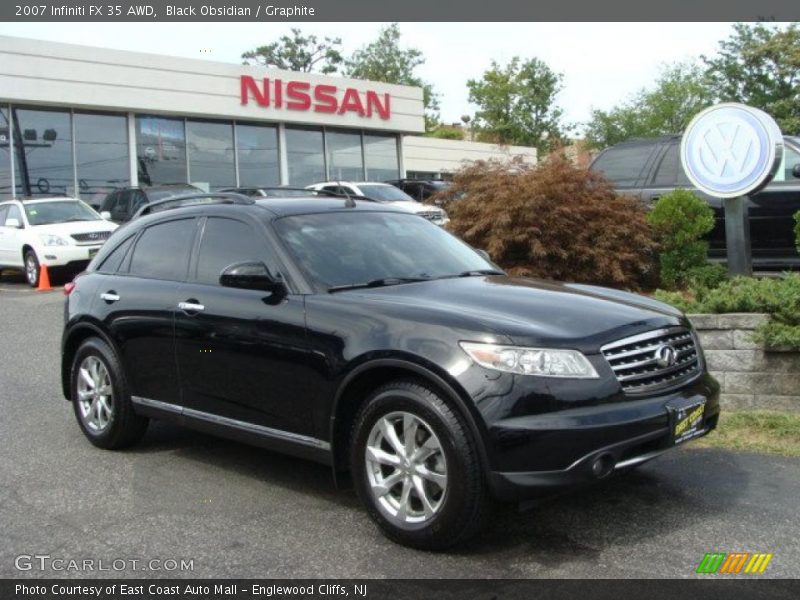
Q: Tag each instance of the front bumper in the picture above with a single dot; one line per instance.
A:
(545, 453)
(62, 256)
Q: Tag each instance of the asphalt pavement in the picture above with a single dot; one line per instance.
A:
(237, 511)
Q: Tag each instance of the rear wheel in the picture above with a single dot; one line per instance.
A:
(32, 268)
(100, 398)
(416, 467)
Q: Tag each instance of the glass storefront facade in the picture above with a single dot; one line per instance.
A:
(88, 154)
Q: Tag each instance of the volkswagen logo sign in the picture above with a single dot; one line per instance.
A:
(666, 356)
(731, 150)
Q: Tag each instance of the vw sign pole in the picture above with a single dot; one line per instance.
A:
(729, 151)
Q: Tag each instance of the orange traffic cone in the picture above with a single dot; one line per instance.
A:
(44, 280)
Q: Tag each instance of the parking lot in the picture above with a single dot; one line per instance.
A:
(238, 511)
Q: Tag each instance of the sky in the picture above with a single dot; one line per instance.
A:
(602, 63)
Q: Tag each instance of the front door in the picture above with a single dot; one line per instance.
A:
(242, 354)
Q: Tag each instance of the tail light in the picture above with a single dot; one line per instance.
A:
(68, 287)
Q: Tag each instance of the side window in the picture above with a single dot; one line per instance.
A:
(162, 251)
(14, 213)
(3, 213)
(109, 201)
(667, 174)
(624, 164)
(332, 188)
(122, 204)
(139, 200)
(114, 260)
(226, 242)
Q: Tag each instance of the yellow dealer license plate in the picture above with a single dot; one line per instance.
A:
(687, 420)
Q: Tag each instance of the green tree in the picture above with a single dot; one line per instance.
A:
(759, 65)
(679, 93)
(298, 53)
(516, 104)
(385, 60)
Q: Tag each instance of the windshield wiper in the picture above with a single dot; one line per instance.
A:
(477, 272)
(374, 283)
(72, 219)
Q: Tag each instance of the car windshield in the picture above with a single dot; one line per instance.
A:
(351, 248)
(59, 211)
(385, 193)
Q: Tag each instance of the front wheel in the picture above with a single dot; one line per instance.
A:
(32, 268)
(416, 467)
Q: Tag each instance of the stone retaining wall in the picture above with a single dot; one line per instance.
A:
(750, 376)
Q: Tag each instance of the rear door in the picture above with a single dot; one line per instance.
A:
(137, 304)
(242, 354)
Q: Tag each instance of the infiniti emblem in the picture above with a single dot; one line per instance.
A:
(666, 356)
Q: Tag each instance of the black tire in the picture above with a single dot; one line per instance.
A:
(464, 503)
(124, 427)
(32, 260)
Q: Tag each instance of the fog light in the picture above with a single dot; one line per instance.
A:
(603, 465)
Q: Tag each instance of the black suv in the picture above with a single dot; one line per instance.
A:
(650, 168)
(121, 205)
(420, 189)
(367, 338)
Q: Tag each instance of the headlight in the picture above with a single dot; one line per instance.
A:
(545, 362)
(49, 239)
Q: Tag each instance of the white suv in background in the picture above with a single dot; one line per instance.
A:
(389, 194)
(57, 232)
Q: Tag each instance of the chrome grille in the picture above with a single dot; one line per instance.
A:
(642, 364)
(95, 237)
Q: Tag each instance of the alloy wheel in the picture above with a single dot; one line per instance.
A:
(31, 269)
(95, 394)
(406, 468)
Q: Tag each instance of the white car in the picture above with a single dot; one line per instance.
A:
(383, 192)
(57, 232)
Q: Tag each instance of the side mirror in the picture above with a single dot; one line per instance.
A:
(796, 171)
(105, 215)
(12, 222)
(251, 276)
(484, 254)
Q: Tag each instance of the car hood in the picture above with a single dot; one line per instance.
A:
(534, 312)
(415, 207)
(75, 227)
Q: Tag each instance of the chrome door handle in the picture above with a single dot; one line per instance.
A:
(191, 307)
(109, 297)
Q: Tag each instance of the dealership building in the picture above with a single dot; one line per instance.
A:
(80, 120)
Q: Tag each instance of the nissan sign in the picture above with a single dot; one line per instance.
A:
(323, 98)
(731, 150)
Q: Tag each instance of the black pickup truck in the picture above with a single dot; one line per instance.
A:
(650, 168)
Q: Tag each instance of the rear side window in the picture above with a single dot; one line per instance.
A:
(3, 213)
(226, 242)
(624, 164)
(667, 174)
(114, 260)
(14, 213)
(162, 251)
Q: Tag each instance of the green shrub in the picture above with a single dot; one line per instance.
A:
(708, 276)
(797, 230)
(680, 219)
(778, 297)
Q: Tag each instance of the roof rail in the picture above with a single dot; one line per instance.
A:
(180, 201)
(310, 191)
